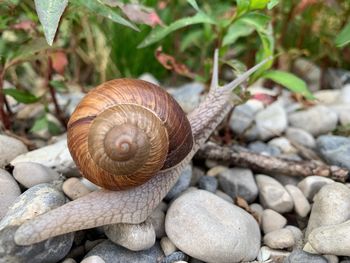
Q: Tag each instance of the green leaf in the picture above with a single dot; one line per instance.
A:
(161, 32)
(257, 20)
(194, 4)
(30, 49)
(272, 4)
(290, 81)
(258, 4)
(242, 6)
(343, 37)
(192, 38)
(105, 11)
(236, 30)
(40, 124)
(21, 96)
(49, 13)
(58, 85)
(53, 128)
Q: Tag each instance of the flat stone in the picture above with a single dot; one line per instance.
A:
(9, 191)
(93, 259)
(312, 184)
(74, 188)
(298, 256)
(10, 148)
(263, 148)
(168, 247)
(258, 211)
(274, 255)
(271, 221)
(283, 144)
(298, 236)
(208, 228)
(273, 195)
(175, 257)
(301, 204)
(181, 185)
(327, 96)
(188, 95)
(280, 238)
(300, 136)
(208, 183)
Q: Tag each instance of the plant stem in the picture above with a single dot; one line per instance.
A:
(3, 115)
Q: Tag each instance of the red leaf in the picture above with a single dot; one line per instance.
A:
(140, 14)
(59, 61)
(264, 98)
(26, 25)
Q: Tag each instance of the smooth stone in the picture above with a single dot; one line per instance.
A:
(344, 117)
(327, 96)
(298, 236)
(273, 195)
(239, 182)
(208, 183)
(332, 258)
(216, 170)
(158, 221)
(168, 247)
(283, 144)
(344, 96)
(301, 204)
(224, 196)
(29, 174)
(149, 78)
(197, 173)
(69, 101)
(93, 259)
(316, 120)
(182, 183)
(263, 148)
(35, 201)
(299, 256)
(50, 250)
(308, 71)
(9, 191)
(258, 210)
(331, 239)
(300, 136)
(188, 95)
(10, 148)
(208, 228)
(267, 254)
(134, 237)
(55, 156)
(74, 188)
(336, 78)
(271, 121)
(331, 206)
(271, 221)
(175, 257)
(279, 239)
(335, 150)
(69, 260)
(112, 253)
(312, 184)
(286, 179)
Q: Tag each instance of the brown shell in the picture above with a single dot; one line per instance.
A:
(110, 96)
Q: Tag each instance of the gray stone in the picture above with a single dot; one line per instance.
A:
(263, 148)
(301, 204)
(271, 121)
(149, 78)
(312, 184)
(332, 258)
(271, 221)
(188, 95)
(267, 254)
(50, 250)
(299, 256)
(279, 239)
(10, 148)
(158, 221)
(224, 196)
(336, 78)
(175, 257)
(258, 211)
(74, 188)
(208, 183)
(298, 236)
(135, 237)
(112, 253)
(283, 144)
(239, 182)
(309, 71)
(327, 96)
(208, 228)
(29, 174)
(344, 96)
(181, 185)
(335, 149)
(316, 120)
(168, 247)
(93, 259)
(9, 191)
(344, 117)
(300, 136)
(273, 195)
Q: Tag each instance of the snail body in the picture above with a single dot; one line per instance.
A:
(126, 130)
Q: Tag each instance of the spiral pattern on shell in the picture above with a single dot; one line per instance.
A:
(124, 131)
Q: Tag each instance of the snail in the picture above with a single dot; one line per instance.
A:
(138, 196)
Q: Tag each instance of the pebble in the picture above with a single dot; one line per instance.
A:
(283, 144)
(299, 256)
(239, 182)
(298, 236)
(312, 184)
(50, 250)
(158, 221)
(258, 210)
(69, 260)
(224, 196)
(188, 95)
(9, 191)
(300, 136)
(181, 185)
(93, 259)
(135, 237)
(29, 174)
(271, 221)
(332, 258)
(279, 239)
(267, 254)
(208, 183)
(331, 206)
(55, 156)
(149, 78)
(335, 149)
(301, 204)
(327, 96)
(316, 120)
(168, 247)
(10, 148)
(74, 188)
(271, 121)
(175, 257)
(309, 71)
(263, 148)
(273, 195)
(36, 200)
(344, 96)
(208, 228)
(216, 170)
(112, 253)
(344, 117)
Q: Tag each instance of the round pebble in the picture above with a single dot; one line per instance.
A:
(271, 221)
(181, 185)
(298, 256)
(312, 184)
(297, 135)
(301, 204)
(298, 236)
(208, 183)
(93, 259)
(74, 188)
(158, 221)
(167, 246)
(279, 239)
(9, 191)
(10, 148)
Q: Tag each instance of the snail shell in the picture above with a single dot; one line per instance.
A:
(124, 131)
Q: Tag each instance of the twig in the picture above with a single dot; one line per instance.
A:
(271, 165)
(3, 115)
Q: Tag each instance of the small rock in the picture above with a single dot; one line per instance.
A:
(135, 237)
(175, 257)
(271, 221)
(298, 256)
(309, 71)
(273, 195)
(344, 117)
(263, 148)
(331, 258)
(298, 236)
(239, 182)
(158, 221)
(335, 149)
(258, 211)
(297, 135)
(112, 253)
(207, 228)
(167, 246)
(301, 204)
(216, 170)
(208, 183)
(10, 148)
(188, 95)
(344, 96)
(280, 238)
(271, 121)
(69, 260)
(149, 78)
(283, 144)
(9, 191)
(29, 174)
(275, 256)
(336, 78)
(74, 188)
(327, 96)
(331, 206)
(93, 259)
(181, 185)
(312, 184)
(316, 120)
(224, 196)
(197, 173)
